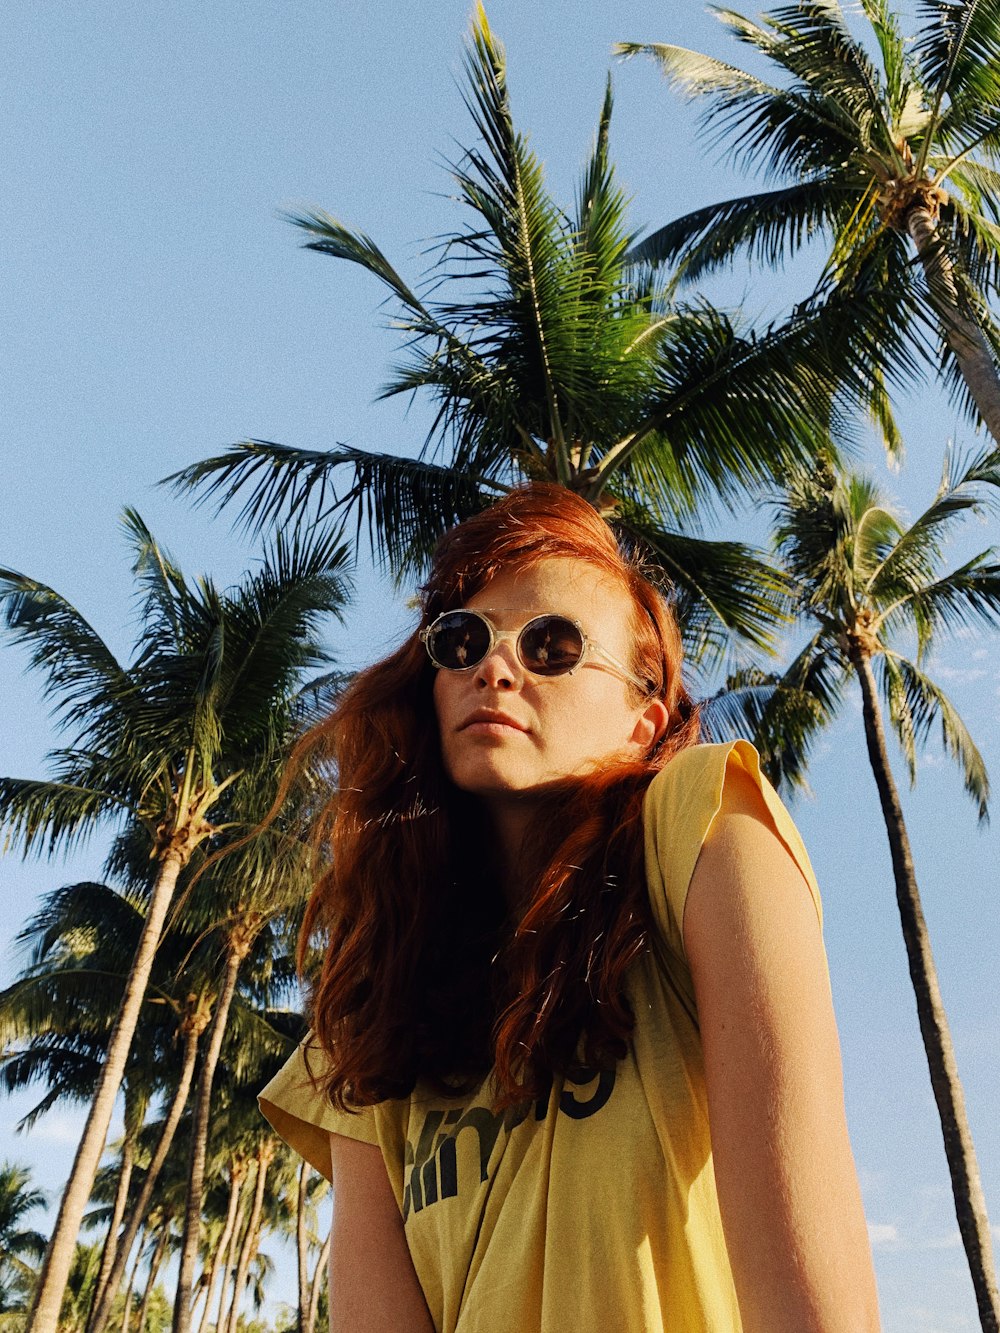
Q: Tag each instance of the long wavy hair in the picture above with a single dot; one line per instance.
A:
(424, 976)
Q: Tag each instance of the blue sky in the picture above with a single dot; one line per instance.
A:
(157, 307)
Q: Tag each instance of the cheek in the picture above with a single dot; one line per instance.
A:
(595, 723)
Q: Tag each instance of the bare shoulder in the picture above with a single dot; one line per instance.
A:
(747, 876)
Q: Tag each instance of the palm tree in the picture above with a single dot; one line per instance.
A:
(18, 1244)
(55, 1021)
(310, 1187)
(547, 356)
(257, 890)
(889, 157)
(864, 583)
(155, 746)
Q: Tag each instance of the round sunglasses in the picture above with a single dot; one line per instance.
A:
(550, 645)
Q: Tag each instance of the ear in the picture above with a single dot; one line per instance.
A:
(650, 725)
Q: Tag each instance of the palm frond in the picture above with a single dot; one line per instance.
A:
(332, 237)
(767, 225)
(875, 533)
(975, 240)
(750, 118)
(316, 700)
(800, 704)
(404, 504)
(84, 680)
(926, 703)
(506, 185)
(735, 710)
(159, 576)
(51, 816)
(900, 714)
(883, 416)
(969, 593)
(976, 182)
(599, 226)
(909, 562)
(725, 593)
(811, 40)
(693, 73)
(273, 621)
(958, 49)
(738, 411)
(904, 95)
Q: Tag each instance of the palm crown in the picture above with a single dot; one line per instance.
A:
(872, 589)
(548, 356)
(882, 153)
(181, 748)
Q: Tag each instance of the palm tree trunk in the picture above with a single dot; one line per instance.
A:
(59, 1254)
(199, 1134)
(302, 1247)
(970, 1204)
(111, 1244)
(317, 1285)
(264, 1156)
(229, 1267)
(127, 1308)
(154, 1269)
(239, 1240)
(223, 1253)
(961, 332)
(194, 1025)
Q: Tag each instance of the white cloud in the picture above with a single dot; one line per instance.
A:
(58, 1127)
(951, 1240)
(960, 675)
(882, 1233)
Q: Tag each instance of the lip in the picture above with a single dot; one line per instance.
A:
(491, 717)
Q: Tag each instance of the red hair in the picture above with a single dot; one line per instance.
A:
(424, 977)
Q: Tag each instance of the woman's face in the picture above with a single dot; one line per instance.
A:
(505, 732)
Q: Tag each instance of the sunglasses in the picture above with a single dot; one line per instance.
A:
(546, 646)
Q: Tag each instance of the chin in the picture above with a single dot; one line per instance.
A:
(490, 785)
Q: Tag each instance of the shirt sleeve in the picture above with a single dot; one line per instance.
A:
(681, 805)
(301, 1114)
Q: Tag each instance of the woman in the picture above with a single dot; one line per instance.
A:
(574, 1063)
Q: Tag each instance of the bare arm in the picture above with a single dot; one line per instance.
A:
(373, 1284)
(788, 1190)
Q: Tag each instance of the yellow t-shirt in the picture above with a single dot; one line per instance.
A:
(594, 1209)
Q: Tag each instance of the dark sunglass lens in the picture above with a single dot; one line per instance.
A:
(459, 640)
(550, 645)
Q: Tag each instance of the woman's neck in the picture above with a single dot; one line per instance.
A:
(508, 822)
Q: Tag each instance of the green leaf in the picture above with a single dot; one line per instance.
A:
(926, 703)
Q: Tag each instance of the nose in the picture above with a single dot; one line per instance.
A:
(500, 668)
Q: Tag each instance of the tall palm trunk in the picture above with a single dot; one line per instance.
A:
(970, 1205)
(111, 1244)
(961, 332)
(317, 1285)
(193, 1026)
(239, 945)
(239, 1240)
(127, 1309)
(265, 1154)
(302, 1247)
(223, 1253)
(59, 1254)
(154, 1269)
